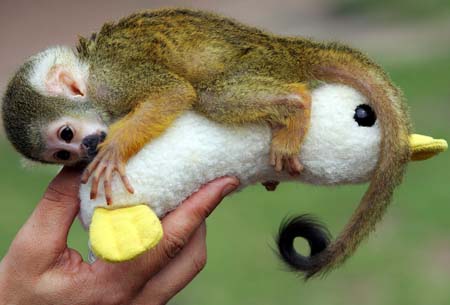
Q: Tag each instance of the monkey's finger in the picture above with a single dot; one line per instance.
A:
(288, 166)
(178, 273)
(86, 174)
(96, 179)
(125, 180)
(278, 163)
(107, 184)
(272, 158)
(91, 168)
(295, 167)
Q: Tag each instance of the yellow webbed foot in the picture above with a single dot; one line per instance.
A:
(122, 234)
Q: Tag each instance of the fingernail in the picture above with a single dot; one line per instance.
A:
(229, 188)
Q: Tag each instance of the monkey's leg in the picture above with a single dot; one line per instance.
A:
(249, 98)
(126, 137)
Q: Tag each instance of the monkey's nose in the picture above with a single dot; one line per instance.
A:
(91, 142)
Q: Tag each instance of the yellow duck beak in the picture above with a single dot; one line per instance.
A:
(424, 147)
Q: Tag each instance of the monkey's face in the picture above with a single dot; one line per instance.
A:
(47, 113)
(71, 141)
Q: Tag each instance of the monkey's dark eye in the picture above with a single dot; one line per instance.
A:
(66, 134)
(365, 116)
(63, 155)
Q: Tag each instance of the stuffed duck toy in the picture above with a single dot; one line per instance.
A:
(344, 145)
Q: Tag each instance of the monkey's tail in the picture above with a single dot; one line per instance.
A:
(339, 64)
(307, 227)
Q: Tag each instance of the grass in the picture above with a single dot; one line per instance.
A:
(406, 261)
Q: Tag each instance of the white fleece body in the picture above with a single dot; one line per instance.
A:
(195, 150)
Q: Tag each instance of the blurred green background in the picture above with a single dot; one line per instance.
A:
(406, 261)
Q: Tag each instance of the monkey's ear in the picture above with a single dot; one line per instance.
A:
(62, 80)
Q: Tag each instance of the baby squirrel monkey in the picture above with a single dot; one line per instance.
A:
(127, 83)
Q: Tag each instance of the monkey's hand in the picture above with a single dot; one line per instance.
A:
(107, 161)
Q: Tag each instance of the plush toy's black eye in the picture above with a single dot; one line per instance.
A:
(66, 134)
(62, 155)
(365, 116)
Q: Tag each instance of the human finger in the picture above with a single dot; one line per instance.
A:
(178, 273)
(178, 227)
(44, 235)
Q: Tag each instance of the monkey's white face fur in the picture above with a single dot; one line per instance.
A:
(195, 150)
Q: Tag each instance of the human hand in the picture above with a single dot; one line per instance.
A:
(39, 268)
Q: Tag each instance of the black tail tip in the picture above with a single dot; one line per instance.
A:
(307, 227)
